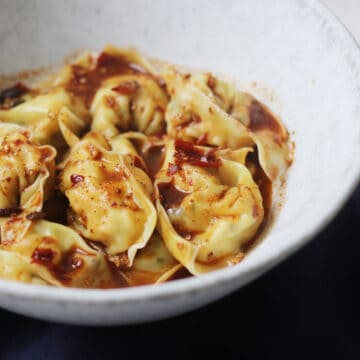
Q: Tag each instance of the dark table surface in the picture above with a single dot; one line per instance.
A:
(306, 308)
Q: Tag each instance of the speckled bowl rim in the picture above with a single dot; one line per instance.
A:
(225, 276)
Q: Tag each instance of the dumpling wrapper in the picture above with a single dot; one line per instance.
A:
(108, 204)
(191, 115)
(27, 174)
(45, 114)
(52, 254)
(13, 266)
(208, 205)
(120, 87)
(152, 265)
(127, 102)
(206, 109)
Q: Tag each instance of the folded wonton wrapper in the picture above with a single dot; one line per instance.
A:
(46, 113)
(120, 87)
(31, 249)
(206, 108)
(208, 205)
(52, 254)
(108, 204)
(152, 265)
(27, 173)
(127, 102)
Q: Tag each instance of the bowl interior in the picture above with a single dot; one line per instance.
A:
(292, 47)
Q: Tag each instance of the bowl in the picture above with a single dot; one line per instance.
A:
(299, 59)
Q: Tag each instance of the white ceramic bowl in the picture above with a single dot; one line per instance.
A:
(298, 47)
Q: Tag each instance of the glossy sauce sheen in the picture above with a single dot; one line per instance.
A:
(62, 270)
(69, 263)
(154, 158)
(55, 209)
(36, 215)
(186, 152)
(265, 187)
(75, 179)
(170, 195)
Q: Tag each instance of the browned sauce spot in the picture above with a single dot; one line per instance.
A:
(170, 195)
(212, 83)
(139, 164)
(62, 270)
(263, 182)
(221, 195)
(18, 142)
(154, 158)
(36, 215)
(265, 187)
(43, 256)
(186, 152)
(127, 88)
(262, 119)
(56, 207)
(4, 212)
(185, 233)
(11, 96)
(75, 179)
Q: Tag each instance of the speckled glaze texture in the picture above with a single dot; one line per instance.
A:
(297, 47)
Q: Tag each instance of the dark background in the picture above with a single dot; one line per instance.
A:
(306, 308)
